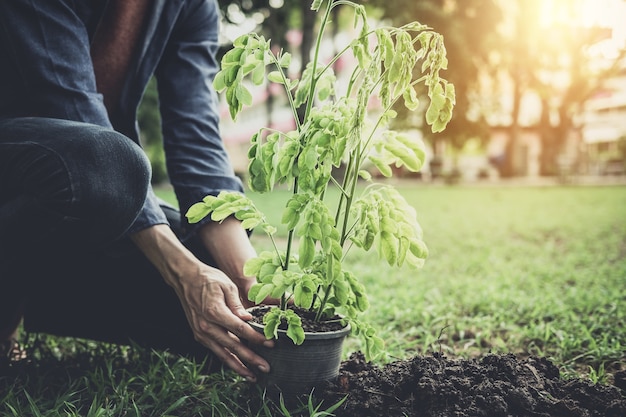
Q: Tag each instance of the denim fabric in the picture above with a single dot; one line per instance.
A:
(46, 71)
(70, 186)
(65, 184)
(68, 191)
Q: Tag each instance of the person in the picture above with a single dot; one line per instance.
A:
(86, 249)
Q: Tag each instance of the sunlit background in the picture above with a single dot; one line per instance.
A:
(585, 14)
(541, 84)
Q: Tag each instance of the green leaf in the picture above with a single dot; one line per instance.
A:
(275, 77)
(316, 4)
(362, 302)
(258, 75)
(382, 166)
(438, 100)
(416, 144)
(388, 247)
(374, 346)
(250, 223)
(197, 212)
(285, 60)
(233, 56)
(253, 291)
(271, 320)
(432, 115)
(402, 153)
(438, 126)
(241, 41)
(411, 101)
(306, 252)
(234, 105)
(291, 215)
(450, 93)
(365, 175)
(267, 270)
(419, 249)
(219, 82)
(302, 92)
(296, 333)
(253, 265)
(263, 293)
(232, 75)
(294, 327)
(243, 95)
(303, 293)
(386, 44)
(341, 290)
(290, 218)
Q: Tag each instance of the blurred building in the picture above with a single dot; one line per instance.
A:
(604, 128)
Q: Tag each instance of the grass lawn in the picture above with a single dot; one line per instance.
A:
(537, 271)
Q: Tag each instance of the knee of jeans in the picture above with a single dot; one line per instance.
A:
(115, 180)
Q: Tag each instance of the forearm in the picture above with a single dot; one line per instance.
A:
(210, 300)
(163, 249)
(229, 245)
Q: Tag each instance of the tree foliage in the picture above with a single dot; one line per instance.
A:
(464, 25)
(563, 73)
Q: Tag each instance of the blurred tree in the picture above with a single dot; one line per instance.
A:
(149, 120)
(275, 18)
(467, 27)
(563, 72)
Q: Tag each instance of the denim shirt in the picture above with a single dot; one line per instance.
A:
(46, 71)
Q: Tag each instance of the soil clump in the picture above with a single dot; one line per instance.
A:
(494, 385)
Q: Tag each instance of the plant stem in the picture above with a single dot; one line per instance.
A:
(287, 91)
(344, 195)
(339, 186)
(354, 179)
(318, 44)
(290, 235)
(318, 313)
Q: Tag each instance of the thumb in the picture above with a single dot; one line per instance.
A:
(231, 297)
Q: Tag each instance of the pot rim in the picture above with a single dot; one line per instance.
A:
(307, 335)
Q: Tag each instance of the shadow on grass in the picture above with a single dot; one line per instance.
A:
(76, 377)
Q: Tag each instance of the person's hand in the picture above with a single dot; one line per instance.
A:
(211, 301)
(218, 319)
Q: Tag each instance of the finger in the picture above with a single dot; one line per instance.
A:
(233, 353)
(241, 328)
(246, 355)
(233, 362)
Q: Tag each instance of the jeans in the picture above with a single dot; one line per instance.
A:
(68, 193)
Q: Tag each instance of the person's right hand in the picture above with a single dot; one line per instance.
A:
(218, 319)
(209, 298)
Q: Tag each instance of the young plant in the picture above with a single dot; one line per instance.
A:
(337, 129)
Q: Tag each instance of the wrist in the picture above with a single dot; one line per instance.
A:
(163, 249)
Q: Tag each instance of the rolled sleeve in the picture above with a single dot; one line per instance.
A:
(150, 215)
(197, 162)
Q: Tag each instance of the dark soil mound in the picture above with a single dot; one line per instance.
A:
(496, 385)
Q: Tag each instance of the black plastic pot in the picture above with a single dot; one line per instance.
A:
(298, 369)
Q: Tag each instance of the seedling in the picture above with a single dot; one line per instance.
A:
(337, 129)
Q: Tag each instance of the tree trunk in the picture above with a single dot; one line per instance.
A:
(546, 133)
(553, 139)
(509, 168)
